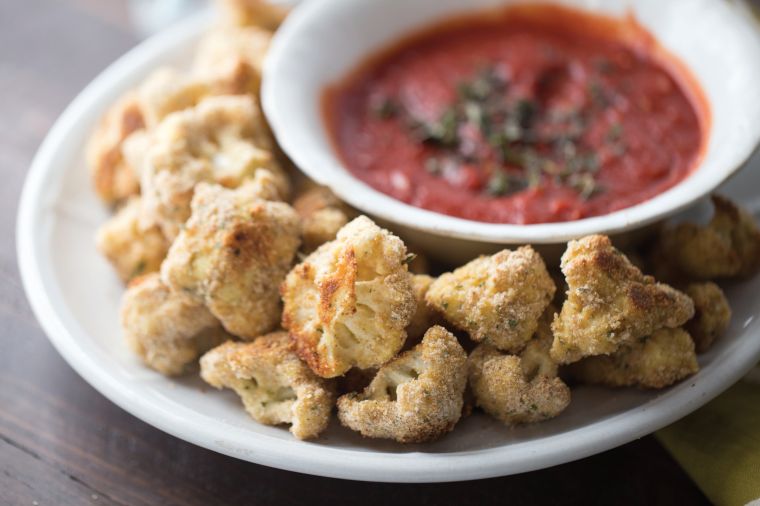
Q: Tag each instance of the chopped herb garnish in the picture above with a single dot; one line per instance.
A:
(433, 165)
(385, 109)
(615, 132)
(598, 95)
(139, 268)
(409, 258)
(498, 184)
(527, 144)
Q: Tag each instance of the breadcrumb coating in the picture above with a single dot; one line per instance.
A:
(232, 255)
(322, 215)
(712, 314)
(416, 397)
(167, 90)
(259, 13)
(112, 177)
(216, 141)
(655, 362)
(274, 385)
(132, 250)
(497, 299)
(610, 303)
(348, 303)
(230, 60)
(519, 389)
(727, 247)
(166, 329)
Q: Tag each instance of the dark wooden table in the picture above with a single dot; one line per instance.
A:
(63, 443)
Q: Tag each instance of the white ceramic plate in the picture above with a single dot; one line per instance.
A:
(75, 296)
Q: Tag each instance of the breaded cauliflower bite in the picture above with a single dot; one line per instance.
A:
(230, 59)
(519, 389)
(275, 386)
(416, 397)
(610, 303)
(220, 140)
(112, 177)
(322, 215)
(167, 90)
(348, 303)
(729, 246)
(131, 250)
(166, 329)
(259, 13)
(656, 362)
(232, 255)
(712, 314)
(497, 299)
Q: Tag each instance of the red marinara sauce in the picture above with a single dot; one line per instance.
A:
(531, 114)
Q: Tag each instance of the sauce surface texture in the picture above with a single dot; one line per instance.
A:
(529, 115)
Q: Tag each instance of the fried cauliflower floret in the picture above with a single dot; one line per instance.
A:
(729, 246)
(322, 215)
(497, 299)
(712, 314)
(348, 303)
(112, 177)
(610, 303)
(274, 385)
(230, 59)
(131, 250)
(519, 389)
(216, 141)
(167, 90)
(424, 316)
(166, 329)
(232, 256)
(417, 397)
(253, 13)
(656, 362)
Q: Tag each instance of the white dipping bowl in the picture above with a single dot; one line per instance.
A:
(323, 41)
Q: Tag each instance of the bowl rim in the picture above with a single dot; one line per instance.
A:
(66, 334)
(333, 174)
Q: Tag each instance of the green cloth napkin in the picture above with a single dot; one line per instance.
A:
(719, 444)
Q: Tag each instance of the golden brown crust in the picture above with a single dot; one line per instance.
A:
(348, 303)
(727, 247)
(610, 303)
(220, 140)
(232, 255)
(416, 397)
(274, 385)
(521, 388)
(112, 177)
(167, 330)
(655, 362)
(132, 250)
(711, 317)
(496, 299)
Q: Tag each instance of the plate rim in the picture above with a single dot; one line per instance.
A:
(411, 467)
